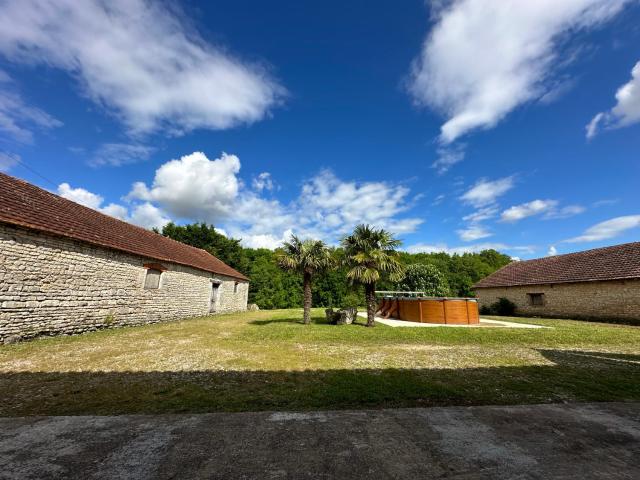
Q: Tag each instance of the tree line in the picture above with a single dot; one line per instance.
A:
(272, 287)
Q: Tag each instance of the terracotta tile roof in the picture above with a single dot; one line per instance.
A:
(608, 263)
(28, 206)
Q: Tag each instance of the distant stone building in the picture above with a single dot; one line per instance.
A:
(65, 268)
(603, 283)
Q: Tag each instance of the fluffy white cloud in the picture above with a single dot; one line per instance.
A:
(8, 160)
(139, 60)
(263, 182)
(485, 192)
(535, 207)
(80, 195)
(145, 215)
(472, 233)
(483, 58)
(608, 229)
(117, 154)
(194, 187)
(442, 247)
(18, 119)
(627, 108)
(552, 252)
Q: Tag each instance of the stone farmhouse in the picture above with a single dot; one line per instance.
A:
(65, 268)
(603, 283)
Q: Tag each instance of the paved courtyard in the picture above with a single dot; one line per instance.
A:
(576, 441)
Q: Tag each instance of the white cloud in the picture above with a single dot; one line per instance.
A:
(608, 229)
(443, 247)
(144, 215)
(18, 119)
(80, 195)
(194, 187)
(552, 252)
(8, 160)
(472, 233)
(438, 200)
(447, 158)
(627, 108)
(485, 192)
(263, 182)
(117, 154)
(481, 214)
(565, 212)
(140, 60)
(147, 215)
(535, 207)
(484, 58)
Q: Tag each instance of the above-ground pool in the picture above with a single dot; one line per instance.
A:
(444, 310)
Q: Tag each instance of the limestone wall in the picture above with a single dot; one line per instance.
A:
(615, 299)
(51, 285)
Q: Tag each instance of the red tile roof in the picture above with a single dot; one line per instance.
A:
(608, 263)
(28, 206)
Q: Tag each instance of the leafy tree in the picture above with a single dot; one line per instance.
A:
(369, 252)
(307, 257)
(272, 287)
(205, 236)
(424, 278)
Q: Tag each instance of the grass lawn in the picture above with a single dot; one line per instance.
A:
(267, 360)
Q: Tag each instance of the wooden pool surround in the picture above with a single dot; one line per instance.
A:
(453, 311)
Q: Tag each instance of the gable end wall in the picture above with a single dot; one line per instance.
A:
(52, 285)
(607, 300)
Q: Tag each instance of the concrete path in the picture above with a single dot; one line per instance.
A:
(484, 322)
(586, 441)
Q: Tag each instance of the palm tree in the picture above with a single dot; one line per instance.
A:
(307, 257)
(368, 253)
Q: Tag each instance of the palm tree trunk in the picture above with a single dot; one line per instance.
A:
(306, 282)
(370, 297)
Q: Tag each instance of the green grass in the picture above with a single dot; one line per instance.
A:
(268, 360)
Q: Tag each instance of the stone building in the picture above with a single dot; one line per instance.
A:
(65, 268)
(603, 283)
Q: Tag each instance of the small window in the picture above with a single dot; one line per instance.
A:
(152, 279)
(235, 287)
(536, 299)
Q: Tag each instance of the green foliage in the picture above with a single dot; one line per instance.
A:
(271, 287)
(369, 253)
(304, 256)
(424, 278)
(204, 236)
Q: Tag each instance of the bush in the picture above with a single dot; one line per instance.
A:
(352, 299)
(504, 307)
(424, 278)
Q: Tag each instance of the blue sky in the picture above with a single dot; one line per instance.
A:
(458, 125)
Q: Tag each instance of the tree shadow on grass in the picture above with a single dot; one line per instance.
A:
(571, 376)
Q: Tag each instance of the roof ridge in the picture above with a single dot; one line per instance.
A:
(613, 262)
(581, 252)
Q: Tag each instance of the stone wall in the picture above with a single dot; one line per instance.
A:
(610, 300)
(51, 285)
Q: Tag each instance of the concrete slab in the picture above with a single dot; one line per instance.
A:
(484, 322)
(579, 441)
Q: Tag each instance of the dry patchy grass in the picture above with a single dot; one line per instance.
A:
(269, 360)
